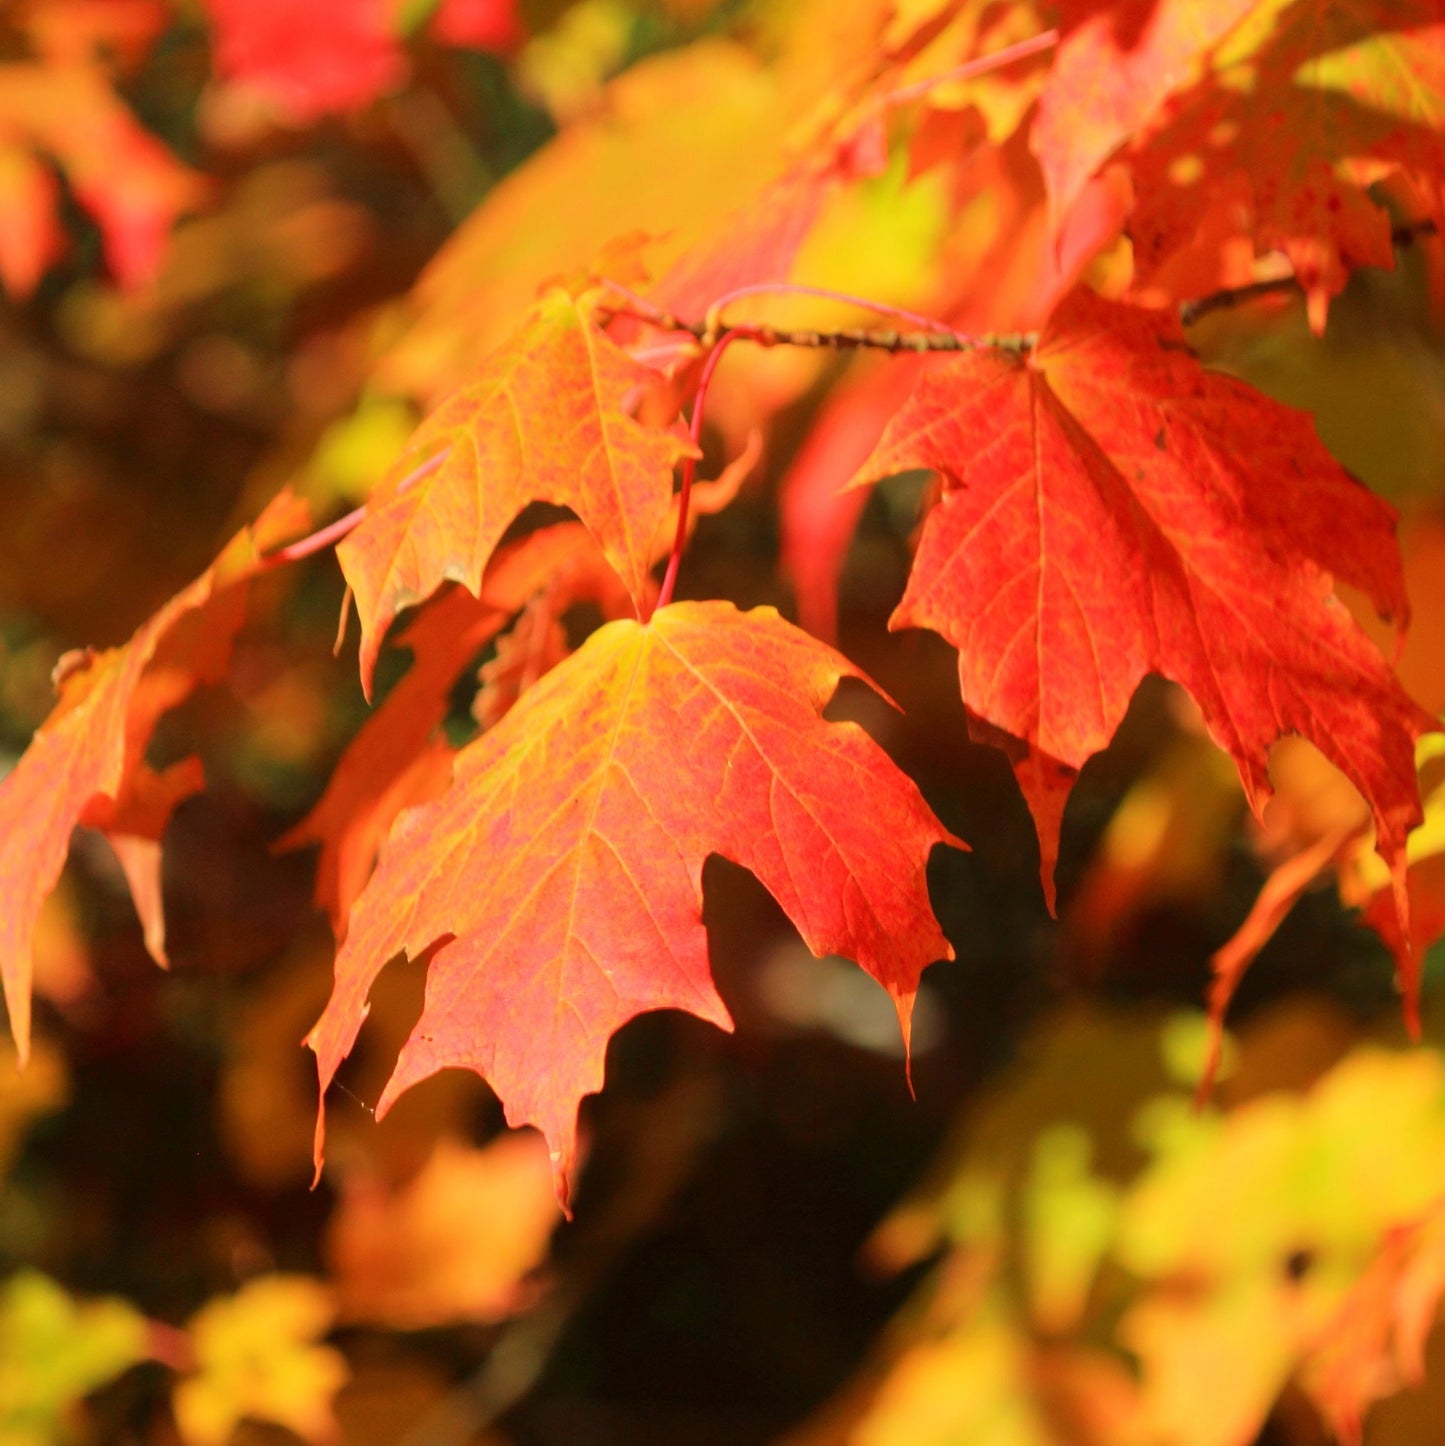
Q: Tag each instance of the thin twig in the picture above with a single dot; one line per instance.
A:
(1192, 311)
(1401, 237)
(855, 338)
(851, 338)
(932, 335)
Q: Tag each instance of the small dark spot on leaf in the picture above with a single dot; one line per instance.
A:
(1160, 440)
(1298, 1263)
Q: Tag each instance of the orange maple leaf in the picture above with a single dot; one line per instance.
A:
(86, 763)
(542, 420)
(455, 1243)
(133, 186)
(561, 876)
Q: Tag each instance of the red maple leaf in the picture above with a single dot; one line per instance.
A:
(308, 60)
(1375, 1343)
(397, 759)
(86, 763)
(1115, 66)
(817, 512)
(1112, 509)
(561, 875)
(1287, 134)
(481, 24)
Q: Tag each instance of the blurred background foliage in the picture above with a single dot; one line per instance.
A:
(773, 1240)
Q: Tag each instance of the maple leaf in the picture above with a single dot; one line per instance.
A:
(86, 763)
(398, 758)
(1115, 66)
(455, 1243)
(1113, 509)
(1045, 783)
(542, 420)
(1304, 111)
(1376, 1342)
(817, 512)
(395, 760)
(133, 186)
(562, 873)
(309, 60)
(1221, 1325)
(54, 1350)
(134, 823)
(481, 24)
(1366, 885)
(256, 1356)
(532, 646)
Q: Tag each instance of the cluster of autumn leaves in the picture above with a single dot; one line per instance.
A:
(1107, 507)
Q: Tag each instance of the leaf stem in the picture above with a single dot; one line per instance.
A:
(689, 470)
(170, 1346)
(317, 541)
(333, 532)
